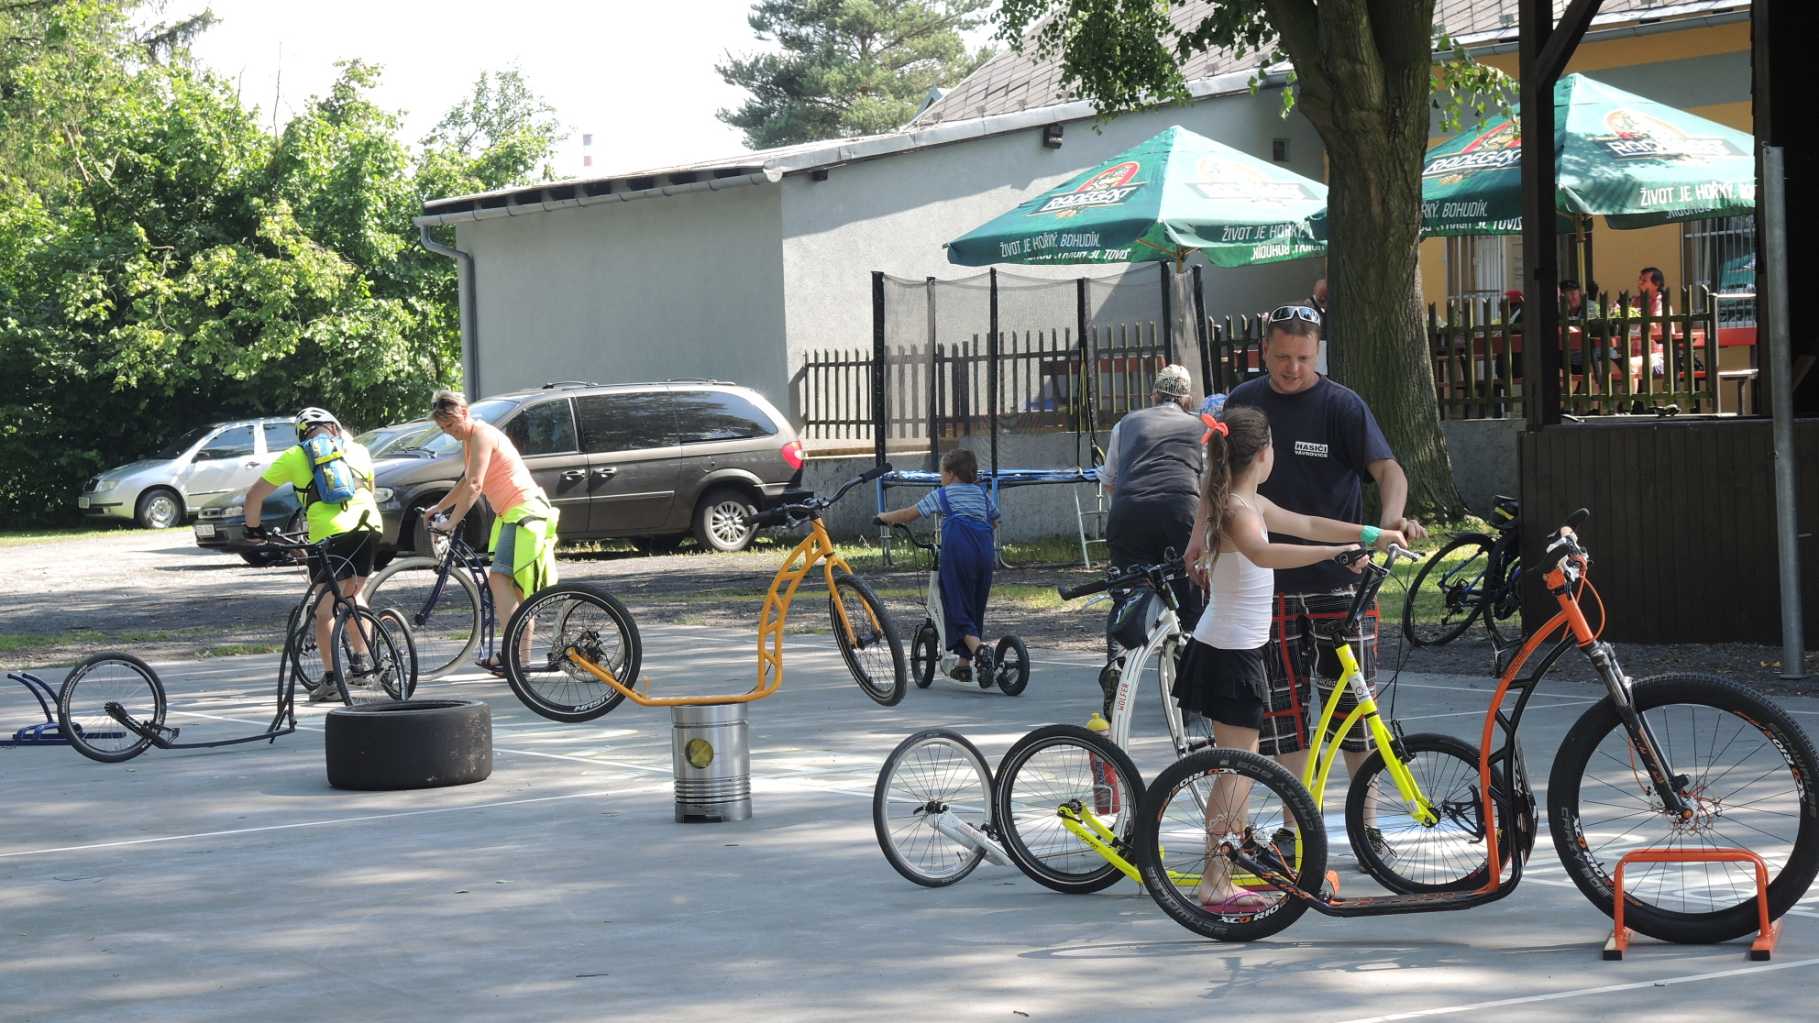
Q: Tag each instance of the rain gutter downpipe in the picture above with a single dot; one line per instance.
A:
(467, 299)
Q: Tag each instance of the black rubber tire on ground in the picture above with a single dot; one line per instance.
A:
(1779, 731)
(1006, 806)
(925, 655)
(876, 629)
(81, 711)
(1440, 635)
(158, 508)
(725, 519)
(420, 745)
(1011, 666)
(1438, 762)
(1263, 773)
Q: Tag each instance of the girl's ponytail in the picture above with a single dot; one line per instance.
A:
(1232, 444)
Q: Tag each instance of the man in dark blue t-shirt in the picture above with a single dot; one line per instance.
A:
(1327, 444)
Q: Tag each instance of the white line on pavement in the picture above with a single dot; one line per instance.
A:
(1449, 1010)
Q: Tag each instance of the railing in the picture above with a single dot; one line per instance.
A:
(1616, 358)
(1045, 380)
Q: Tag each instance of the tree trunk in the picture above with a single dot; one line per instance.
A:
(1363, 70)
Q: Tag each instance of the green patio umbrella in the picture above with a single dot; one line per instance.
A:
(1163, 199)
(1618, 155)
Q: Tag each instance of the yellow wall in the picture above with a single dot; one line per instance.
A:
(1617, 255)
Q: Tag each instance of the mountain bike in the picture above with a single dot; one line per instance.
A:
(1673, 768)
(929, 653)
(572, 652)
(1474, 576)
(446, 601)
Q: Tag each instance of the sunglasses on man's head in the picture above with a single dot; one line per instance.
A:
(1285, 313)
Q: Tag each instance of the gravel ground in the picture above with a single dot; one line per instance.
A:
(159, 595)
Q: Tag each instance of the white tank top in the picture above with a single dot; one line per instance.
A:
(1237, 615)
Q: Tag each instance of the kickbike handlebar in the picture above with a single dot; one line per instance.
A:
(786, 513)
(1156, 574)
(910, 535)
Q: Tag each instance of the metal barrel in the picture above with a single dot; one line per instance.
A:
(711, 752)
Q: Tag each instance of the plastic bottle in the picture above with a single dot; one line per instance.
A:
(1105, 778)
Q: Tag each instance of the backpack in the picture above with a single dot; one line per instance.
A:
(332, 478)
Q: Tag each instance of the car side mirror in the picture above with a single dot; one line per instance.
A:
(203, 455)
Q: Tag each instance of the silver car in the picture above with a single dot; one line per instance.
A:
(165, 488)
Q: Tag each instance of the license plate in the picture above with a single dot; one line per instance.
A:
(82, 502)
(204, 530)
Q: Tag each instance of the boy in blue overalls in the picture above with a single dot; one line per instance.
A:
(968, 519)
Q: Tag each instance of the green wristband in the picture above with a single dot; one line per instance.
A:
(1368, 536)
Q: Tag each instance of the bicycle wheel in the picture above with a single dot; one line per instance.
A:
(1067, 766)
(872, 651)
(1747, 770)
(1508, 605)
(540, 637)
(445, 631)
(405, 686)
(1012, 669)
(382, 671)
(1448, 592)
(933, 772)
(1405, 855)
(302, 656)
(95, 684)
(925, 655)
(1266, 813)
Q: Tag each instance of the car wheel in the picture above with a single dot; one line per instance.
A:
(159, 508)
(724, 520)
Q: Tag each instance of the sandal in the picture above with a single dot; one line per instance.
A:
(491, 665)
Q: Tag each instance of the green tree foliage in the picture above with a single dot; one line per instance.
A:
(165, 261)
(1364, 76)
(848, 67)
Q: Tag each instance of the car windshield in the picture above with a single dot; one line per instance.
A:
(388, 440)
(488, 411)
(183, 443)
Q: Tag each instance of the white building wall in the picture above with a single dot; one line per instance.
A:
(684, 286)
(894, 214)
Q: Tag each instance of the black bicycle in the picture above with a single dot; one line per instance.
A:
(446, 601)
(112, 706)
(1475, 576)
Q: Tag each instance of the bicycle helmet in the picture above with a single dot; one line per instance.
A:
(312, 417)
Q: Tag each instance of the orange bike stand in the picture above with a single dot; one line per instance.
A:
(1769, 931)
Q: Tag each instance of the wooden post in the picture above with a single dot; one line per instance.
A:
(879, 376)
(1206, 355)
(1168, 310)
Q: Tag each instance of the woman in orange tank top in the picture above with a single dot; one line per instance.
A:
(496, 471)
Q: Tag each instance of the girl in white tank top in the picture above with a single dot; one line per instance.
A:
(1222, 675)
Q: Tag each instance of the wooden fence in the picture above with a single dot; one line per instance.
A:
(1044, 380)
(1617, 358)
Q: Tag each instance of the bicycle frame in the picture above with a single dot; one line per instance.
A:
(475, 565)
(816, 548)
(1164, 638)
(1325, 747)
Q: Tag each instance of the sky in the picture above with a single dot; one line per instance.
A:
(638, 76)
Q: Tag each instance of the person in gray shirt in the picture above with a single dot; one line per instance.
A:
(1152, 470)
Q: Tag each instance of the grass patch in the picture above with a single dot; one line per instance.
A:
(24, 537)
(28, 642)
(239, 649)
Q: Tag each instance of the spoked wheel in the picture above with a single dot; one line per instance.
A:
(121, 680)
(404, 687)
(1448, 592)
(1219, 801)
(1501, 615)
(925, 655)
(1745, 768)
(1012, 665)
(552, 633)
(445, 631)
(930, 774)
(372, 664)
(1437, 847)
(867, 640)
(302, 657)
(1065, 769)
